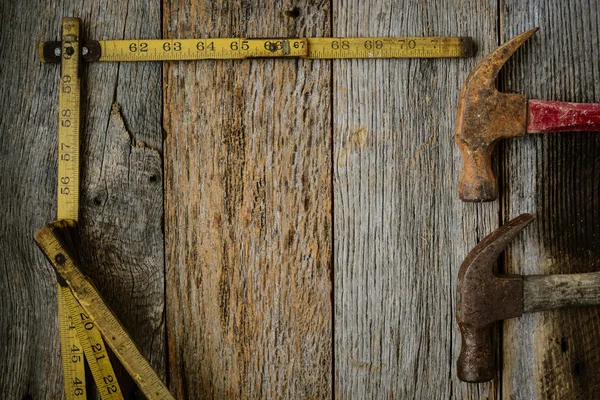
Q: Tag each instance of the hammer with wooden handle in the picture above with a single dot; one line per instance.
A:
(485, 297)
(485, 116)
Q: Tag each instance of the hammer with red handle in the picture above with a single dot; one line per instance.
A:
(485, 116)
(485, 297)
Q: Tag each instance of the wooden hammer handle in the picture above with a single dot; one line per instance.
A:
(546, 292)
(556, 116)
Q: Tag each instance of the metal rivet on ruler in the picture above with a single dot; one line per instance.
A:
(60, 259)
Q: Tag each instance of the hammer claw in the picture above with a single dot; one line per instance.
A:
(488, 68)
(484, 254)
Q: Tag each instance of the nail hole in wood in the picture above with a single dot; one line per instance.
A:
(293, 13)
(564, 346)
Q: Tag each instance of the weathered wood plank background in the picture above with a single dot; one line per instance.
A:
(312, 230)
(400, 230)
(121, 197)
(557, 177)
(248, 209)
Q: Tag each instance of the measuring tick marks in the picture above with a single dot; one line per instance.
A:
(242, 48)
(93, 319)
(84, 317)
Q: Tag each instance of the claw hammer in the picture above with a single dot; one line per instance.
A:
(486, 115)
(485, 297)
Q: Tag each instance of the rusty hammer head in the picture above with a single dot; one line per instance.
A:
(485, 116)
(485, 297)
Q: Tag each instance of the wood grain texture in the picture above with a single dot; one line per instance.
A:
(545, 292)
(553, 355)
(29, 344)
(122, 244)
(248, 208)
(122, 193)
(122, 240)
(400, 230)
(253, 220)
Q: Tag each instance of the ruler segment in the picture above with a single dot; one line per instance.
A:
(199, 49)
(71, 352)
(69, 122)
(93, 348)
(240, 48)
(99, 313)
(388, 47)
(68, 195)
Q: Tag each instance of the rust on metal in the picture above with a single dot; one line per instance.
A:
(485, 297)
(94, 51)
(50, 52)
(485, 116)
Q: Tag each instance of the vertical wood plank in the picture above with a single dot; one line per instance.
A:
(553, 355)
(400, 230)
(248, 200)
(29, 344)
(122, 245)
(122, 195)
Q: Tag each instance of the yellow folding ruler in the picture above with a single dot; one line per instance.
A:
(236, 48)
(56, 241)
(76, 340)
(84, 317)
(68, 200)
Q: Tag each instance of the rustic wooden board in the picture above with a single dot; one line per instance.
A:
(313, 232)
(121, 236)
(29, 344)
(122, 196)
(400, 230)
(553, 355)
(248, 209)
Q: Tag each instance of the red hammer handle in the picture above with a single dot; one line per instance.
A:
(557, 116)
